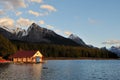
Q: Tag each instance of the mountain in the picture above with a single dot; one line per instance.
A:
(37, 34)
(77, 39)
(19, 32)
(8, 34)
(6, 28)
(12, 34)
(116, 50)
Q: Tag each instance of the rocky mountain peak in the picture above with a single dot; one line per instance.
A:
(76, 39)
(33, 26)
(73, 36)
(36, 28)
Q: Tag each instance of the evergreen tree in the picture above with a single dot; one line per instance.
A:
(6, 47)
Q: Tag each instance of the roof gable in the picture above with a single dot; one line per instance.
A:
(38, 53)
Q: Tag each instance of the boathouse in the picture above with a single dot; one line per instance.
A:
(28, 56)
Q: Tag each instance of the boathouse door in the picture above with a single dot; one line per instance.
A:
(37, 59)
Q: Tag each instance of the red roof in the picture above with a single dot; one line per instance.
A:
(24, 54)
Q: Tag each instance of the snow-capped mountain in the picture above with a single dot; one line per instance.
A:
(7, 28)
(37, 34)
(20, 32)
(16, 31)
(39, 30)
(7, 34)
(116, 50)
(76, 39)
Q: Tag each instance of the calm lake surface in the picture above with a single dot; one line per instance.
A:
(63, 70)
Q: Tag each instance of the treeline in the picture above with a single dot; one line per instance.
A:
(50, 50)
(6, 47)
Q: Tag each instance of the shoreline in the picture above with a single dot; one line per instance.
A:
(82, 58)
(2, 61)
(65, 58)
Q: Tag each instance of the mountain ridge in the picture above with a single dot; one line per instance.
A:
(37, 34)
(77, 39)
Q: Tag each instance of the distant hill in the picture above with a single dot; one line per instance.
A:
(116, 50)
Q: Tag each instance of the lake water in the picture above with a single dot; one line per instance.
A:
(63, 70)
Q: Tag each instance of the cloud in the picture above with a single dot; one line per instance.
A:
(111, 42)
(37, 1)
(67, 33)
(44, 14)
(12, 4)
(24, 22)
(92, 21)
(49, 26)
(41, 22)
(18, 13)
(48, 7)
(6, 21)
(34, 13)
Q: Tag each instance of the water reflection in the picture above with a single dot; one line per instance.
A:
(37, 68)
(82, 70)
(21, 72)
(63, 70)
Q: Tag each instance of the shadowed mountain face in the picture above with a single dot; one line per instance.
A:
(37, 34)
(116, 50)
(7, 34)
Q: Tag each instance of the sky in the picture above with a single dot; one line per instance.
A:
(96, 22)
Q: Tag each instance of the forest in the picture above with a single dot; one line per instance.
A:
(8, 48)
(51, 50)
